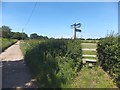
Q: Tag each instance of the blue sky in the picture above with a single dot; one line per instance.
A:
(54, 19)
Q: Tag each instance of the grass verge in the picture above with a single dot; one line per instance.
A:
(92, 78)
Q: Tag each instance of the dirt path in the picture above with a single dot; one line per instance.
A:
(15, 73)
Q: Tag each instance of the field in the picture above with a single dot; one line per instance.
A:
(5, 43)
(90, 46)
(89, 41)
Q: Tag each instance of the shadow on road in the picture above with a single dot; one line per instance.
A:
(15, 74)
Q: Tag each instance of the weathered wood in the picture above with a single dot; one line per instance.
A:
(89, 49)
(90, 60)
(89, 55)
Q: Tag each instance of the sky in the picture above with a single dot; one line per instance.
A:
(119, 18)
(53, 19)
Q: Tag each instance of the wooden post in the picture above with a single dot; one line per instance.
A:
(74, 33)
(75, 26)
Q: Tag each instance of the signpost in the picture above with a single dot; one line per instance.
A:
(75, 26)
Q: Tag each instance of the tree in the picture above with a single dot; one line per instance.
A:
(82, 38)
(42, 37)
(24, 36)
(89, 39)
(34, 36)
(18, 35)
(5, 32)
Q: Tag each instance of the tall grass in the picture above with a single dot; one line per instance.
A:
(5, 43)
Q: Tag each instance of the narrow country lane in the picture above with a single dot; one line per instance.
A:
(15, 73)
(13, 53)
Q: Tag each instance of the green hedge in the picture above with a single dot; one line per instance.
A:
(53, 62)
(109, 57)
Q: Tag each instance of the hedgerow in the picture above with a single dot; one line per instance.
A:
(53, 62)
(109, 57)
(5, 43)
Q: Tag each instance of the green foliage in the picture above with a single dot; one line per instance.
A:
(5, 43)
(19, 36)
(36, 36)
(53, 62)
(92, 78)
(27, 45)
(5, 32)
(109, 56)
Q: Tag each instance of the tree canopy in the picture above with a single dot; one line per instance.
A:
(5, 32)
(36, 36)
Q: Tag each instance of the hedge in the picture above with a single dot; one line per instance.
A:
(53, 62)
(108, 50)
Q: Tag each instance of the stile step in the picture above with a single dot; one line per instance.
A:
(89, 60)
(89, 49)
(89, 55)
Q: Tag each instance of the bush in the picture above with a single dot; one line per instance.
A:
(109, 56)
(54, 62)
